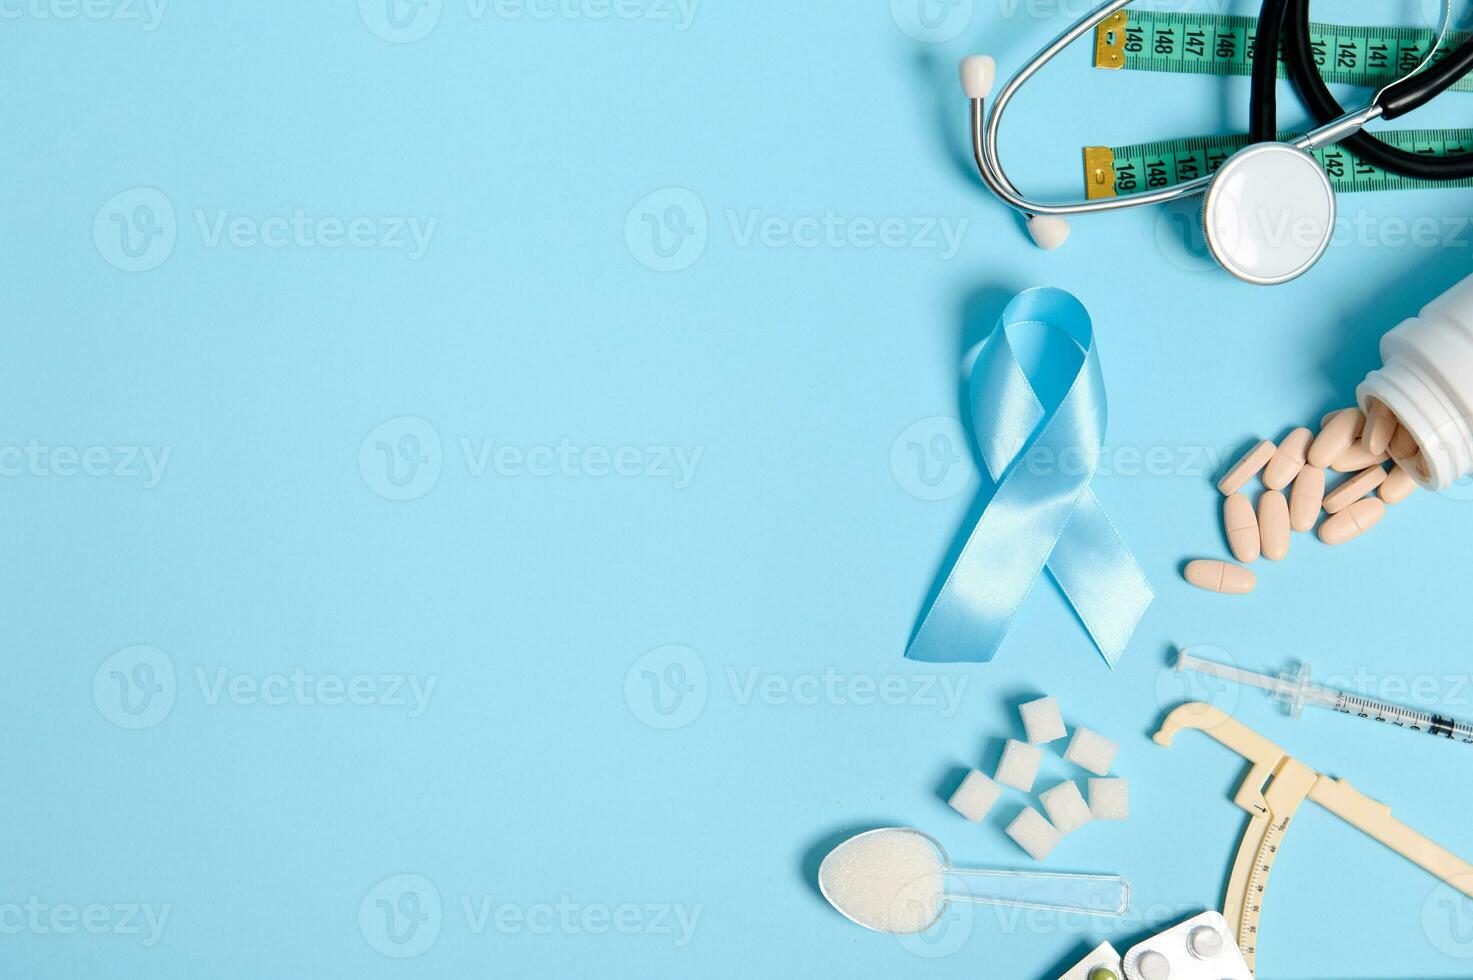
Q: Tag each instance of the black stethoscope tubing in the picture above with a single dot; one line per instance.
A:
(1289, 19)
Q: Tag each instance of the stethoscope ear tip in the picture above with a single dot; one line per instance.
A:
(978, 72)
(1049, 231)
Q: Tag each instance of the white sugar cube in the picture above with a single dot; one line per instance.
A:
(1034, 834)
(975, 796)
(1042, 721)
(1109, 799)
(1065, 807)
(1019, 765)
(1091, 750)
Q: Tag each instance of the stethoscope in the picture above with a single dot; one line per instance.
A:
(1269, 211)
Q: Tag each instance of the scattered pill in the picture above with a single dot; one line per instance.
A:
(1220, 576)
(1306, 497)
(1398, 486)
(1273, 525)
(1241, 525)
(1246, 468)
(1349, 441)
(1042, 721)
(1402, 444)
(1335, 437)
(1090, 750)
(1325, 420)
(1019, 765)
(1288, 459)
(1355, 459)
(1065, 807)
(1353, 489)
(975, 797)
(1380, 427)
(1353, 521)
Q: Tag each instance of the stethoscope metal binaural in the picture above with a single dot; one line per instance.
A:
(1269, 210)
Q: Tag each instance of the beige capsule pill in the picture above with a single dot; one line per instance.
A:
(1335, 436)
(1325, 420)
(1273, 525)
(1241, 525)
(1353, 521)
(1354, 488)
(1220, 576)
(1246, 468)
(1306, 497)
(1398, 486)
(1288, 459)
(1356, 458)
(1402, 444)
(1381, 425)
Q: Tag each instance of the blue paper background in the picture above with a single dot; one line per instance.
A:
(536, 797)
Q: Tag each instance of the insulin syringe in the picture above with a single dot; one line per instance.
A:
(1295, 689)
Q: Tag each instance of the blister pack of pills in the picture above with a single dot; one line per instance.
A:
(1200, 948)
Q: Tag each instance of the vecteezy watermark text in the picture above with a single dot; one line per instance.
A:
(403, 915)
(403, 458)
(137, 687)
(677, 464)
(406, 21)
(669, 687)
(299, 686)
(669, 229)
(1179, 232)
(147, 13)
(832, 230)
(570, 917)
(953, 929)
(39, 918)
(838, 688)
(137, 230)
(405, 233)
(932, 459)
(36, 459)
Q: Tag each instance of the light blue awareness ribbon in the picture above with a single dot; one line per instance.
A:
(1043, 512)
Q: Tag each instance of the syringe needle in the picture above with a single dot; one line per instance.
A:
(1186, 660)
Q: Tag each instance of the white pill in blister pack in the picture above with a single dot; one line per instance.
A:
(1200, 948)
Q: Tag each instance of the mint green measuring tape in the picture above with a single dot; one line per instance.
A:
(1114, 170)
(1208, 44)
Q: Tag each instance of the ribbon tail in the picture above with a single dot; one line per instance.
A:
(1100, 578)
(1004, 555)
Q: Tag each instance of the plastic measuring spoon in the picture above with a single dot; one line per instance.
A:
(899, 880)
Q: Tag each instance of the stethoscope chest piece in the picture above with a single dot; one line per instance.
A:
(1269, 213)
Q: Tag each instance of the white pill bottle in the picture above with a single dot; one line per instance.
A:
(1426, 379)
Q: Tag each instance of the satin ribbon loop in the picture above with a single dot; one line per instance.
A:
(1043, 513)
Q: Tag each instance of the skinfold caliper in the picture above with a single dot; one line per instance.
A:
(1276, 786)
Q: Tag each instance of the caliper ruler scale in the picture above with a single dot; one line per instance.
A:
(1276, 786)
